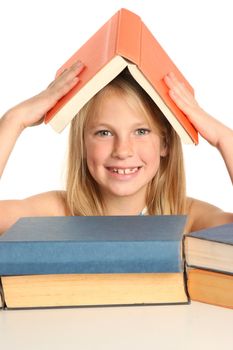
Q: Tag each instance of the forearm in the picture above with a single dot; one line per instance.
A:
(9, 133)
(225, 147)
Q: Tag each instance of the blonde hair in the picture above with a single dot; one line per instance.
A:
(166, 192)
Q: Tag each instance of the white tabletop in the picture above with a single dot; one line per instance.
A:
(194, 326)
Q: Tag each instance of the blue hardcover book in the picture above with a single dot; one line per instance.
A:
(93, 244)
(211, 248)
(85, 261)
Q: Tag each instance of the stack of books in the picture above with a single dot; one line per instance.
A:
(209, 259)
(100, 260)
(114, 260)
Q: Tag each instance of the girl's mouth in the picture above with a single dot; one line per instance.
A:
(124, 172)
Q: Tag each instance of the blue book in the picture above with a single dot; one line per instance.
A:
(93, 260)
(211, 248)
(97, 244)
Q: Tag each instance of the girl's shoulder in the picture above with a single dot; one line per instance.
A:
(202, 215)
(51, 203)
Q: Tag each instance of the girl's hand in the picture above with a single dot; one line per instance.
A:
(31, 112)
(208, 127)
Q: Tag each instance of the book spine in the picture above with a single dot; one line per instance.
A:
(128, 41)
(105, 257)
(2, 298)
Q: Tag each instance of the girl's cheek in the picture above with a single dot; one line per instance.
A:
(96, 152)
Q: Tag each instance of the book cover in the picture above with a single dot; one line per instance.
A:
(123, 41)
(211, 248)
(93, 244)
(210, 287)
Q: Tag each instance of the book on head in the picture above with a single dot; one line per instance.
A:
(122, 42)
(101, 260)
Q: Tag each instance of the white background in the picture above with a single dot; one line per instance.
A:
(38, 36)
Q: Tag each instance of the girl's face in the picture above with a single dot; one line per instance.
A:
(123, 152)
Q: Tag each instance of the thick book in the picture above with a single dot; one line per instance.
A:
(93, 260)
(66, 290)
(211, 248)
(122, 42)
(210, 287)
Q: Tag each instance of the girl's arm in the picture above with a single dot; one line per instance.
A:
(32, 111)
(211, 129)
(202, 214)
(12, 124)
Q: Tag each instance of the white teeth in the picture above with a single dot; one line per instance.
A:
(130, 171)
(124, 171)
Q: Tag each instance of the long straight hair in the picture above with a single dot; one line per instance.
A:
(166, 192)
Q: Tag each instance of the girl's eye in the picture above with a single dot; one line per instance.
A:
(142, 131)
(103, 133)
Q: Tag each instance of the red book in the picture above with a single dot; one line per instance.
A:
(123, 41)
(210, 287)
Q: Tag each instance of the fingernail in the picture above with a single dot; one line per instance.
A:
(77, 64)
(172, 93)
(64, 70)
(76, 79)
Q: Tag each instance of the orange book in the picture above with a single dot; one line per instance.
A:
(30, 291)
(211, 287)
(123, 41)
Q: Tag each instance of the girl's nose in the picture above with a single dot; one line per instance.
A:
(122, 149)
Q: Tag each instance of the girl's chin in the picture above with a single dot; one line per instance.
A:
(119, 191)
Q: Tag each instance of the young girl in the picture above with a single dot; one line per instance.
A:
(124, 157)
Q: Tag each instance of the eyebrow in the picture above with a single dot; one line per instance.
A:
(107, 125)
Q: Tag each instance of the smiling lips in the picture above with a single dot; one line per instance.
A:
(124, 171)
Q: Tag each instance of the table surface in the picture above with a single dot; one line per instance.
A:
(194, 326)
